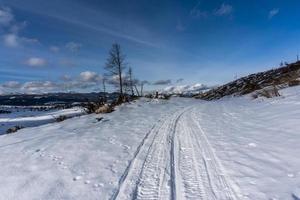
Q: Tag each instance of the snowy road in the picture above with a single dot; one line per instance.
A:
(235, 148)
(175, 161)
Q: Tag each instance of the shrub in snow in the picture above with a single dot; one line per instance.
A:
(98, 108)
(104, 109)
(268, 92)
(61, 118)
(13, 129)
(90, 107)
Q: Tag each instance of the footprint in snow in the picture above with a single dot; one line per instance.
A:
(112, 141)
(112, 168)
(64, 167)
(252, 182)
(252, 145)
(291, 175)
(96, 185)
(42, 155)
(77, 178)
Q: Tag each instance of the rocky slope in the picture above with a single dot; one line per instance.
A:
(280, 77)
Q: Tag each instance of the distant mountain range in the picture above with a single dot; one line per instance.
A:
(186, 89)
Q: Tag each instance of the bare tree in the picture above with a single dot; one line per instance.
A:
(104, 88)
(130, 81)
(137, 91)
(142, 83)
(115, 65)
(126, 84)
(281, 64)
(135, 82)
(104, 84)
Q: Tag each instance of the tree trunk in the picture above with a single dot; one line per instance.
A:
(137, 91)
(104, 89)
(142, 87)
(120, 77)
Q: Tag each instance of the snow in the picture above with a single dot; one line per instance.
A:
(42, 162)
(233, 148)
(258, 142)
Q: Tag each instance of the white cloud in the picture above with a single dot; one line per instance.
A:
(199, 13)
(11, 84)
(86, 81)
(54, 49)
(38, 87)
(89, 76)
(17, 27)
(273, 12)
(225, 9)
(36, 62)
(66, 78)
(11, 29)
(73, 46)
(196, 12)
(11, 40)
(6, 17)
(24, 40)
(114, 80)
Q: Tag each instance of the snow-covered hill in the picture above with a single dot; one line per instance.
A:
(286, 76)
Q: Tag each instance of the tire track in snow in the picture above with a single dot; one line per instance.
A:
(148, 175)
(176, 161)
(158, 176)
(131, 173)
(191, 170)
(218, 181)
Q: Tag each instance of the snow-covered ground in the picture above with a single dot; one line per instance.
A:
(25, 117)
(234, 148)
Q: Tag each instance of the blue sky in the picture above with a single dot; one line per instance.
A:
(47, 45)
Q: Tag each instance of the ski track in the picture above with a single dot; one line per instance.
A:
(176, 161)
